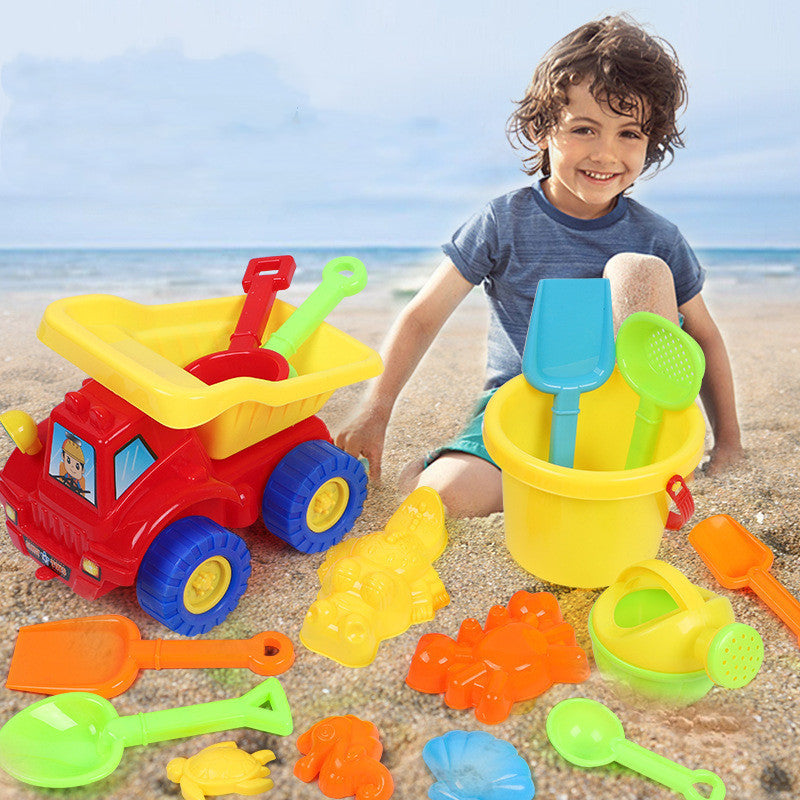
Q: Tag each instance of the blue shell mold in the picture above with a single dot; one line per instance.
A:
(476, 766)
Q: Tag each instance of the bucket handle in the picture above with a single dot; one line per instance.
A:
(680, 494)
(680, 588)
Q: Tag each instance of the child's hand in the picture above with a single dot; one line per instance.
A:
(724, 457)
(364, 435)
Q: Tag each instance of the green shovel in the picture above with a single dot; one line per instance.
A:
(76, 738)
(341, 277)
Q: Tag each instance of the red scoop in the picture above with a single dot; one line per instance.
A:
(245, 357)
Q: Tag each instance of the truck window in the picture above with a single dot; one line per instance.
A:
(72, 463)
(130, 463)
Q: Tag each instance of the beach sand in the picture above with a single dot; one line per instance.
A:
(750, 737)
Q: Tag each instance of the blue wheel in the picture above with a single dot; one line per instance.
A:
(314, 496)
(192, 575)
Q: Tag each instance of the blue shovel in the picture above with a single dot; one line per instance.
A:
(569, 350)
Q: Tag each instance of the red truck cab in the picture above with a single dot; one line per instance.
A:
(108, 482)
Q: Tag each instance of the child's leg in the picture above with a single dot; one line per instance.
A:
(640, 283)
(468, 485)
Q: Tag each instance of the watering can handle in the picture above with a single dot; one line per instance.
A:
(680, 588)
(679, 492)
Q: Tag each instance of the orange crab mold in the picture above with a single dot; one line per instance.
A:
(524, 648)
(344, 754)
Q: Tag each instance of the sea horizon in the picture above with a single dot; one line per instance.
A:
(218, 269)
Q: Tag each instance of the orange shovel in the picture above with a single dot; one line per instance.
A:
(104, 655)
(739, 560)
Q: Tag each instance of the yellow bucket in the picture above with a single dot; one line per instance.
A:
(582, 526)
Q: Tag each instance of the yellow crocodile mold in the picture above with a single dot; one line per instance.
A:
(374, 587)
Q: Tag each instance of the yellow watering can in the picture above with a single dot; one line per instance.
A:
(659, 633)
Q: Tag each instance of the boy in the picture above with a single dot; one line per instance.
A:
(601, 109)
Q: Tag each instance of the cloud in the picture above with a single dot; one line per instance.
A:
(81, 128)
(156, 146)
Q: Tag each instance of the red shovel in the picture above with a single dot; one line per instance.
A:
(245, 357)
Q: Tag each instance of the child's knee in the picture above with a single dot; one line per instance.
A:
(640, 282)
(638, 268)
(457, 499)
(469, 486)
(440, 478)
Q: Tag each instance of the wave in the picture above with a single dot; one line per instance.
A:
(162, 271)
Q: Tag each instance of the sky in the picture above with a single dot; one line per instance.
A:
(249, 122)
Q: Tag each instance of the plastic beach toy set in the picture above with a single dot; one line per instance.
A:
(200, 417)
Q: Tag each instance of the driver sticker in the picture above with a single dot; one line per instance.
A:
(72, 463)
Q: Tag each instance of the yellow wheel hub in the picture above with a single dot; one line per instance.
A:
(207, 585)
(327, 505)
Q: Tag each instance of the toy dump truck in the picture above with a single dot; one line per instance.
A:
(138, 477)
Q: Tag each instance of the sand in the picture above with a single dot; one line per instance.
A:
(749, 737)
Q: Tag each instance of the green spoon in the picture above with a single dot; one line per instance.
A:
(76, 738)
(665, 367)
(341, 277)
(588, 734)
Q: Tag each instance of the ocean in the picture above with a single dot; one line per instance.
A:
(179, 272)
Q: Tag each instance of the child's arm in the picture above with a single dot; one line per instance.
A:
(407, 341)
(717, 391)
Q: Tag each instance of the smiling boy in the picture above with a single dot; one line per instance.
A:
(600, 111)
(594, 155)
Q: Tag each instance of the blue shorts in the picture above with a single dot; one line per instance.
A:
(470, 439)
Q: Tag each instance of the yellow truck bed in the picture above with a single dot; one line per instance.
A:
(139, 351)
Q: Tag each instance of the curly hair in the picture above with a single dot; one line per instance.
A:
(628, 69)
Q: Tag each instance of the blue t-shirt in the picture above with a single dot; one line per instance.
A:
(520, 238)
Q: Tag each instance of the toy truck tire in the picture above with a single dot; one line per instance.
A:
(314, 496)
(193, 575)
